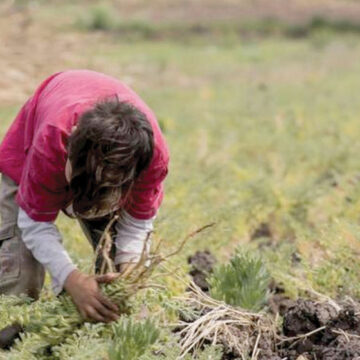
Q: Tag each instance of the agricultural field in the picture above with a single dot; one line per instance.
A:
(262, 121)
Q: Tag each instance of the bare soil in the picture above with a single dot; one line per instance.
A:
(202, 264)
(263, 230)
(316, 331)
(339, 340)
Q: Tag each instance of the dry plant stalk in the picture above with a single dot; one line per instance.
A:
(147, 262)
(239, 330)
(104, 247)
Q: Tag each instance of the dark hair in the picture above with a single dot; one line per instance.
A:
(111, 145)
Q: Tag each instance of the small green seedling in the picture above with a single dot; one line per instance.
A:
(243, 282)
(131, 339)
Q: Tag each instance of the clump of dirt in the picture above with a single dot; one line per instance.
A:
(327, 334)
(306, 316)
(278, 302)
(263, 230)
(202, 264)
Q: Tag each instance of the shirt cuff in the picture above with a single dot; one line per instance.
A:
(131, 234)
(58, 282)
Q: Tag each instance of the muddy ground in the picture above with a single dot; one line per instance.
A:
(332, 334)
(310, 330)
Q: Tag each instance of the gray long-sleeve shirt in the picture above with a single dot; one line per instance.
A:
(45, 242)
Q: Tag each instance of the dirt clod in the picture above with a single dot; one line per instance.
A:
(263, 230)
(202, 264)
(306, 316)
(340, 340)
(278, 302)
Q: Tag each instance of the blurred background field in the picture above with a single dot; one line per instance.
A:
(259, 102)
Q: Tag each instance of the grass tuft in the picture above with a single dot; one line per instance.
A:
(243, 282)
(132, 339)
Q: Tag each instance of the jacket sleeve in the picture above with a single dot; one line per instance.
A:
(147, 193)
(43, 190)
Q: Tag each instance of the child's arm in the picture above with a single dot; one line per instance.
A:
(44, 241)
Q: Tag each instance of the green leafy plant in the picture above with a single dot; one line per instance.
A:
(47, 324)
(243, 282)
(132, 339)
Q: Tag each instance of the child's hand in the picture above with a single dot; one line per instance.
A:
(85, 293)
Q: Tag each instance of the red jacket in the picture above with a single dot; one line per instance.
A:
(33, 152)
